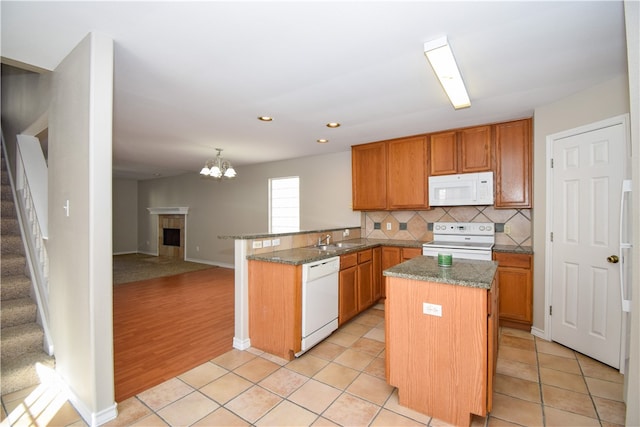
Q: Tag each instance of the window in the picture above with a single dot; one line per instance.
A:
(284, 204)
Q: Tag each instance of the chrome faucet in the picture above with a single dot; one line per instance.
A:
(327, 237)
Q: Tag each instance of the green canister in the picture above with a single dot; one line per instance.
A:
(445, 260)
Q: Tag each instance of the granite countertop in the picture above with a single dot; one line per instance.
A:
(516, 249)
(308, 254)
(463, 272)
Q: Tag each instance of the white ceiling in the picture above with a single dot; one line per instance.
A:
(190, 77)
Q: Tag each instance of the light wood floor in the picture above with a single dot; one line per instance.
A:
(165, 326)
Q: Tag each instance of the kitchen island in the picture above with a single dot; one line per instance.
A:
(442, 336)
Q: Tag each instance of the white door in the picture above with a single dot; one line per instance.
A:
(587, 177)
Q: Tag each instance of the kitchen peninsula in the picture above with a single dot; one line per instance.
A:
(441, 329)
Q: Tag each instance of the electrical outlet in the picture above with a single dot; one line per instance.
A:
(507, 229)
(266, 243)
(432, 309)
(388, 226)
(257, 245)
(345, 233)
(197, 248)
(275, 242)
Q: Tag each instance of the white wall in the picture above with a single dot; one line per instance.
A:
(125, 216)
(240, 206)
(632, 379)
(600, 102)
(79, 246)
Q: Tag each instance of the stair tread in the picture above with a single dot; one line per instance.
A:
(16, 303)
(14, 331)
(21, 372)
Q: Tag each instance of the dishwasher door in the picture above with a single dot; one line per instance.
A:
(319, 301)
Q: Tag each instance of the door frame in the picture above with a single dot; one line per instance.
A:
(622, 119)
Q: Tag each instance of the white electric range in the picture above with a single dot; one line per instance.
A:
(463, 240)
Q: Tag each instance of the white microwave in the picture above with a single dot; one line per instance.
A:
(461, 189)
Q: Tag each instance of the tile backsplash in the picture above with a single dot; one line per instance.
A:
(414, 225)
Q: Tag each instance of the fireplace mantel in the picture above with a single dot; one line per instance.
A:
(169, 211)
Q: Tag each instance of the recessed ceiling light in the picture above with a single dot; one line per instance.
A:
(323, 141)
(265, 118)
(333, 125)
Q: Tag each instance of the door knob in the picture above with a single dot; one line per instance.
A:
(613, 259)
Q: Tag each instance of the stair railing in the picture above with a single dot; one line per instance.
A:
(31, 193)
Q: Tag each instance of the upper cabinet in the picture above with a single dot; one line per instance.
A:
(407, 173)
(464, 151)
(513, 164)
(369, 176)
(393, 175)
(390, 175)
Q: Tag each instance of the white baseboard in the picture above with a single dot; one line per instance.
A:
(125, 253)
(539, 333)
(90, 417)
(241, 344)
(204, 261)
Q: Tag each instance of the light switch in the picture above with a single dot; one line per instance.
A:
(257, 244)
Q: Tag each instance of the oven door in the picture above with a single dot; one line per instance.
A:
(477, 254)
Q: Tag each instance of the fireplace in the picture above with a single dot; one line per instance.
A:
(171, 237)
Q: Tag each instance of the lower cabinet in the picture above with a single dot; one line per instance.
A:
(394, 255)
(356, 284)
(443, 366)
(515, 280)
(275, 307)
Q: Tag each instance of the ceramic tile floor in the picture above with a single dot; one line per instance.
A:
(341, 382)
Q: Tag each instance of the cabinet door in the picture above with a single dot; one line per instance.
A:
(516, 288)
(365, 285)
(513, 164)
(377, 273)
(390, 256)
(406, 174)
(443, 153)
(408, 253)
(348, 294)
(475, 149)
(369, 176)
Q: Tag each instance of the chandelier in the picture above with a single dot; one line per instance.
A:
(218, 168)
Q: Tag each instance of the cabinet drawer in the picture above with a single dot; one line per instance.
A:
(364, 256)
(349, 260)
(513, 260)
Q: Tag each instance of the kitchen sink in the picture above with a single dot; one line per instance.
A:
(336, 246)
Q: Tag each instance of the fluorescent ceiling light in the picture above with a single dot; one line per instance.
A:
(444, 65)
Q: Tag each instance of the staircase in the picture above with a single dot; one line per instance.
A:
(21, 336)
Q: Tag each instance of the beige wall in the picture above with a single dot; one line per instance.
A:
(600, 102)
(79, 246)
(25, 97)
(125, 216)
(240, 206)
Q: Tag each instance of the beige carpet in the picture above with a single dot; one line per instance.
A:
(135, 267)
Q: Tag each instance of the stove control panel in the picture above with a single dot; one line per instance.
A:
(464, 228)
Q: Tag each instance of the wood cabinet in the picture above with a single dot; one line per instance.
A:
(394, 255)
(515, 281)
(390, 175)
(407, 173)
(377, 273)
(444, 365)
(369, 176)
(462, 151)
(356, 284)
(275, 307)
(513, 164)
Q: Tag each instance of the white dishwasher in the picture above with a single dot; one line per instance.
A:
(319, 301)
